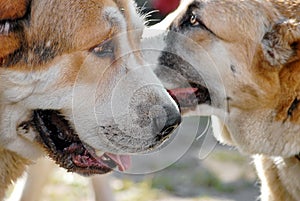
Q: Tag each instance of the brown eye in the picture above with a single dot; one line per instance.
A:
(194, 21)
(105, 49)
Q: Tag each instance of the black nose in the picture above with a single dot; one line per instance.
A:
(172, 121)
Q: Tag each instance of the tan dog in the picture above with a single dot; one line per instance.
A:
(242, 62)
(71, 82)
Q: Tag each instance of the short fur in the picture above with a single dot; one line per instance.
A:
(12, 10)
(81, 59)
(247, 53)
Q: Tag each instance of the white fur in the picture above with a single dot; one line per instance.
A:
(101, 95)
(231, 59)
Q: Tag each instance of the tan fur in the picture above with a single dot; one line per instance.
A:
(9, 43)
(289, 9)
(277, 184)
(80, 60)
(12, 9)
(12, 166)
(251, 49)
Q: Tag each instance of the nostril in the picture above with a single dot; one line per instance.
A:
(168, 130)
(172, 122)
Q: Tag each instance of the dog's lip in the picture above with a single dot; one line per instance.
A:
(189, 97)
(64, 146)
(122, 161)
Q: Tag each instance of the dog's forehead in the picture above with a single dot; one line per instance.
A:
(247, 18)
(230, 18)
(56, 27)
(84, 14)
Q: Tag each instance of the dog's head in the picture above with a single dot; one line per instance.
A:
(73, 80)
(241, 61)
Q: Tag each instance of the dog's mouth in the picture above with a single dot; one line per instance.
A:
(64, 146)
(190, 97)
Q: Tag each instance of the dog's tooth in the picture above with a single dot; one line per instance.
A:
(61, 136)
(99, 153)
(105, 158)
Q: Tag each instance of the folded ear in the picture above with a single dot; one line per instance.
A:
(13, 9)
(281, 45)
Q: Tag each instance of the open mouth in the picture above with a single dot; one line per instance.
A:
(64, 146)
(191, 96)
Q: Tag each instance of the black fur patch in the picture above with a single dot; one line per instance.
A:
(293, 107)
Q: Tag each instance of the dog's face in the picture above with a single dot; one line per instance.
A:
(73, 80)
(246, 54)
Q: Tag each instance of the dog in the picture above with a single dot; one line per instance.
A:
(239, 62)
(74, 86)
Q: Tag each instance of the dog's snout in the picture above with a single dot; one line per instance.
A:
(171, 122)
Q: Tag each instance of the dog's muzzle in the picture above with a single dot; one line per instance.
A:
(171, 123)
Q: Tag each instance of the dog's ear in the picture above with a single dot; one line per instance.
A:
(280, 45)
(13, 9)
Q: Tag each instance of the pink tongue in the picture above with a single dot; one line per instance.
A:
(181, 93)
(184, 97)
(123, 161)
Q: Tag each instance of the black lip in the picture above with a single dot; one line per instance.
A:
(189, 97)
(63, 144)
(202, 94)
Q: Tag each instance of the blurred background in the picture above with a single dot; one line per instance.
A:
(206, 171)
(156, 10)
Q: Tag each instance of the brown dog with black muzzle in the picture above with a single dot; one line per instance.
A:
(73, 83)
(241, 59)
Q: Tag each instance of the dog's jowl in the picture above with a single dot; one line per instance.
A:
(246, 54)
(74, 86)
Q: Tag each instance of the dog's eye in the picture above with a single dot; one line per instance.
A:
(194, 21)
(105, 49)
